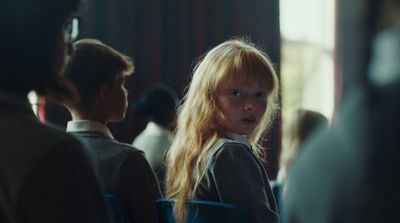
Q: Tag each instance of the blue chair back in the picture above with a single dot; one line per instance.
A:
(117, 208)
(277, 191)
(202, 212)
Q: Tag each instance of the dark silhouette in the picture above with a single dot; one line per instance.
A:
(45, 175)
(350, 173)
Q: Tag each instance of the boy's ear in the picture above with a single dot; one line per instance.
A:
(104, 94)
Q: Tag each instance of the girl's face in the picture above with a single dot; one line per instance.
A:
(242, 104)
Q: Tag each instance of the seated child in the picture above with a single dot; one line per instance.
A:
(98, 73)
(158, 104)
(215, 154)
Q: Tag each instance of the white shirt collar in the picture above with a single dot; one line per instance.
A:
(88, 126)
(239, 138)
(154, 128)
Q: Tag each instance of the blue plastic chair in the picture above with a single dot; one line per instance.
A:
(202, 212)
(277, 191)
(117, 208)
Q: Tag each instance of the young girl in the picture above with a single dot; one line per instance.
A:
(215, 153)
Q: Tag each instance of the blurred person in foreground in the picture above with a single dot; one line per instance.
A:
(45, 175)
(304, 124)
(351, 173)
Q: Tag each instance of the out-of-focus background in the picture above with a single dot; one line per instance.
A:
(165, 37)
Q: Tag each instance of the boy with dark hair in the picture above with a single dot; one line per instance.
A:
(158, 104)
(98, 73)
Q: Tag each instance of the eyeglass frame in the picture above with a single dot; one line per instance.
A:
(71, 29)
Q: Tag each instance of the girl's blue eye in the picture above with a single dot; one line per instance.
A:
(237, 93)
(260, 95)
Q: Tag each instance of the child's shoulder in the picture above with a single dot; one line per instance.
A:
(126, 151)
(126, 147)
(228, 151)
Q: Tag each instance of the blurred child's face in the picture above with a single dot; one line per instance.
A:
(119, 96)
(243, 105)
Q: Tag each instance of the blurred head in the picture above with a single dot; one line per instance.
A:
(98, 72)
(33, 46)
(303, 124)
(159, 104)
(383, 67)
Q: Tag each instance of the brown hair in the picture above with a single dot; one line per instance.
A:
(93, 64)
(303, 125)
